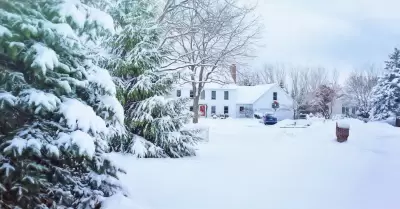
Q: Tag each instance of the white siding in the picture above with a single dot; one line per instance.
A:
(247, 113)
(264, 103)
(339, 104)
(337, 107)
(219, 102)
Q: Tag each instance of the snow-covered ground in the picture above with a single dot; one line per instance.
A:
(247, 165)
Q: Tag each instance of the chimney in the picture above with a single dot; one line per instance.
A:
(233, 72)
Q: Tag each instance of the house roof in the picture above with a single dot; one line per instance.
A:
(250, 94)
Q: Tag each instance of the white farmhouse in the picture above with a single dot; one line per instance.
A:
(240, 101)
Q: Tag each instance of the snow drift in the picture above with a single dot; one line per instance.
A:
(249, 165)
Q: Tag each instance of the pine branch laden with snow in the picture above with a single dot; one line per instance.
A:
(161, 121)
(157, 129)
(59, 111)
(385, 101)
(153, 123)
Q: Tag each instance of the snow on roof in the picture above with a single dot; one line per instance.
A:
(220, 86)
(250, 94)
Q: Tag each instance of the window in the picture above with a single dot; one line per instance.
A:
(343, 110)
(212, 109)
(203, 95)
(226, 109)
(191, 94)
(213, 95)
(353, 110)
(241, 109)
(177, 77)
(275, 96)
(178, 93)
(226, 95)
(191, 108)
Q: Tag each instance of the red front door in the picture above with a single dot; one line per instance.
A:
(203, 110)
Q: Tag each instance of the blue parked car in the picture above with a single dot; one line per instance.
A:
(269, 119)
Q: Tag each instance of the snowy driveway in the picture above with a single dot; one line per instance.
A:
(247, 165)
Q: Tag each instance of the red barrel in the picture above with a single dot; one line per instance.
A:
(342, 134)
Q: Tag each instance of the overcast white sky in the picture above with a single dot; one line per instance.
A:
(339, 33)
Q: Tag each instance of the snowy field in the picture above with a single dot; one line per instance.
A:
(247, 165)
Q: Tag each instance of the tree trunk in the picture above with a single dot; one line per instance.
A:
(196, 108)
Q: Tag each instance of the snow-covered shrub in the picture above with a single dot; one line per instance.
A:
(58, 108)
(154, 123)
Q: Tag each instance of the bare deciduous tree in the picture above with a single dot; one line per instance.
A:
(324, 97)
(248, 78)
(204, 37)
(358, 89)
(335, 77)
(299, 87)
(306, 83)
(317, 77)
(273, 73)
(169, 6)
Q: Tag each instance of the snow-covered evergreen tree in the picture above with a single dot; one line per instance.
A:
(394, 60)
(155, 123)
(58, 108)
(385, 102)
